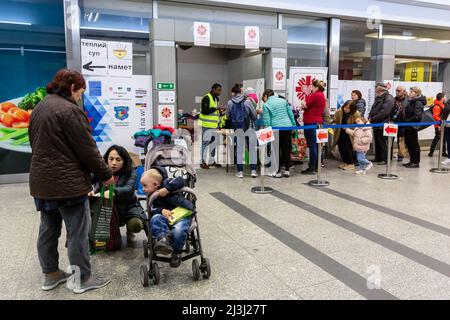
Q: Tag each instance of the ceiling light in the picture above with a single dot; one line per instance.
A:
(112, 29)
(16, 22)
(374, 35)
(398, 37)
(96, 16)
(307, 43)
(424, 39)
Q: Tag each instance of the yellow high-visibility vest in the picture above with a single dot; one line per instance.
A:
(210, 121)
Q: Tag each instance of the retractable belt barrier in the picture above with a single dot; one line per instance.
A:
(321, 183)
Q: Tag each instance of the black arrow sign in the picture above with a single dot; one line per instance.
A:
(90, 67)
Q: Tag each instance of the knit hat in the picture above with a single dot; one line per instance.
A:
(251, 93)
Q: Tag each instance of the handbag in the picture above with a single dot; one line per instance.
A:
(105, 229)
(427, 116)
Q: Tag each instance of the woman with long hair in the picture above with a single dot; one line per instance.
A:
(128, 208)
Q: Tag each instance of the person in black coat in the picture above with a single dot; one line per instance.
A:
(381, 113)
(128, 208)
(446, 116)
(413, 113)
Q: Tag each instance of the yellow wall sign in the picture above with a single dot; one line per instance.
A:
(415, 71)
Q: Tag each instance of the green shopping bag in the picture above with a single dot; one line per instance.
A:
(105, 230)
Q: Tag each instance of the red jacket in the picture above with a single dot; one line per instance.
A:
(315, 105)
(437, 111)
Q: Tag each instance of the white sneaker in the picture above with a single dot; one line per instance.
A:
(275, 174)
(369, 166)
(446, 162)
(240, 175)
(254, 174)
(287, 174)
(360, 172)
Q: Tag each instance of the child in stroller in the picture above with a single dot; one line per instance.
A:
(173, 169)
(167, 241)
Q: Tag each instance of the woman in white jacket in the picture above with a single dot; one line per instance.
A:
(362, 137)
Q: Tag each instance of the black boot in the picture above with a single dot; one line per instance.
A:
(175, 260)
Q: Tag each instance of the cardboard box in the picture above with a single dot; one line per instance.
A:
(135, 158)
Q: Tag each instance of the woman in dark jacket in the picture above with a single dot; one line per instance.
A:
(446, 116)
(126, 203)
(360, 102)
(413, 113)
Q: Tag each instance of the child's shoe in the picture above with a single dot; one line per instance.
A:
(369, 166)
(175, 260)
(360, 171)
(163, 246)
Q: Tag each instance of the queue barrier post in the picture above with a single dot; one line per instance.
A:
(439, 168)
(262, 189)
(319, 182)
(388, 175)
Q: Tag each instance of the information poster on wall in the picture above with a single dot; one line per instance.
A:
(117, 108)
(202, 32)
(367, 88)
(279, 79)
(166, 115)
(251, 37)
(300, 83)
(106, 58)
(345, 88)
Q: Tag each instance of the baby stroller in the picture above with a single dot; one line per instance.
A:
(176, 160)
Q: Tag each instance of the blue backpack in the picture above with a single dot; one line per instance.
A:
(239, 119)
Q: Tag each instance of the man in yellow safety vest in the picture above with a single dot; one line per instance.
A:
(209, 119)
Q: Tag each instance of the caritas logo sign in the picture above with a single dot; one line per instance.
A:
(202, 30)
(303, 87)
(252, 34)
(279, 75)
(166, 112)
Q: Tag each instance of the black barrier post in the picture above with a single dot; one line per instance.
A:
(388, 175)
(262, 189)
(439, 169)
(319, 182)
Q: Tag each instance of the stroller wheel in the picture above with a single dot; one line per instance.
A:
(144, 275)
(145, 246)
(155, 272)
(195, 270)
(206, 268)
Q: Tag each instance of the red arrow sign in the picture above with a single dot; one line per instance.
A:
(265, 136)
(390, 130)
(322, 135)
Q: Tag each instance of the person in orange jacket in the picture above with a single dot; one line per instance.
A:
(438, 107)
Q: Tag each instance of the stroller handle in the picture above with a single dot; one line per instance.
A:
(182, 190)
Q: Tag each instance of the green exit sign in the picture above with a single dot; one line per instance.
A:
(165, 85)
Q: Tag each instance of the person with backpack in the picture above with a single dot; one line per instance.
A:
(240, 114)
(437, 108)
(278, 113)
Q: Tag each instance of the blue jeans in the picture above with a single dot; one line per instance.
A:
(361, 158)
(206, 142)
(310, 135)
(160, 228)
(239, 155)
